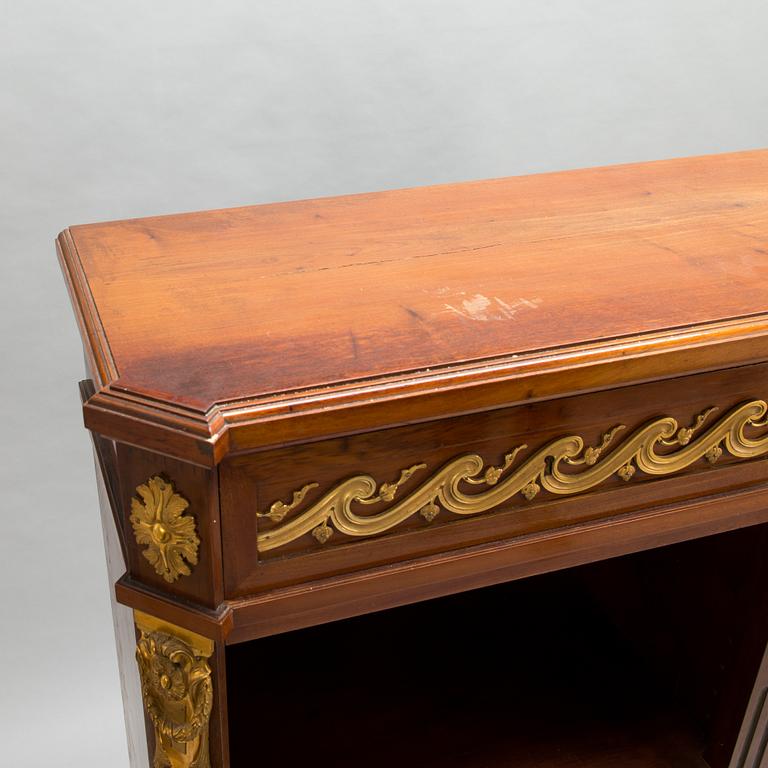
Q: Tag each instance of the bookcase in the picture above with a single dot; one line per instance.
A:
(467, 475)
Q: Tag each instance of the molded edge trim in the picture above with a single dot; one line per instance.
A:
(215, 625)
(206, 437)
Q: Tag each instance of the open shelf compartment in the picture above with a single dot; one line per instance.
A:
(644, 660)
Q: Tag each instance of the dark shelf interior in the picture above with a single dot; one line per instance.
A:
(645, 660)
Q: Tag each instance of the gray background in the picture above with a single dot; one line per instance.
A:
(121, 109)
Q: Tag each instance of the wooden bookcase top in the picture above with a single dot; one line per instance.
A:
(239, 328)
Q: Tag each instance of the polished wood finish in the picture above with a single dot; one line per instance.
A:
(235, 329)
(122, 619)
(251, 482)
(374, 589)
(200, 488)
(752, 741)
(239, 355)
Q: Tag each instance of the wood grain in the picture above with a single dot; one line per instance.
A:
(242, 353)
(423, 578)
(250, 483)
(211, 327)
(200, 489)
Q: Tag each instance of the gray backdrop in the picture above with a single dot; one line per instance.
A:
(121, 109)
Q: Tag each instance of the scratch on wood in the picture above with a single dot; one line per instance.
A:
(413, 313)
(481, 308)
(353, 339)
(476, 306)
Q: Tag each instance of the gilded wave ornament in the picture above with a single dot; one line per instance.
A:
(680, 447)
(177, 691)
(161, 526)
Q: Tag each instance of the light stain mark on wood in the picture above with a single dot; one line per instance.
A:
(482, 309)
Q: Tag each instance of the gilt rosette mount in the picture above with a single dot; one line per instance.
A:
(563, 466)
(161, 526)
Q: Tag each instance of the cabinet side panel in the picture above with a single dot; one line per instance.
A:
(171, 520)
(125, 637)
(750, 749)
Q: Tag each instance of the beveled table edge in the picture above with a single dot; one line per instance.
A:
(206, 437)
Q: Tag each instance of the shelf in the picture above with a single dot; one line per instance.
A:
(594, 666)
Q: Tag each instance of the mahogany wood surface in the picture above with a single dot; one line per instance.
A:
(250, 483)
(387, 586)
(212, 332)
(752, 742)
(199, 487)
(125, 631)
(244, 353)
